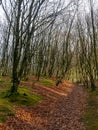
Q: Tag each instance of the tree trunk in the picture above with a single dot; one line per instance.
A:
(93, 87)
(15, 82)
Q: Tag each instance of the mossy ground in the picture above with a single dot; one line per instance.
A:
(47, 82)
(24, 97)
(90, 117)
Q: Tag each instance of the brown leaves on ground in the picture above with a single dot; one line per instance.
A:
(61, 109)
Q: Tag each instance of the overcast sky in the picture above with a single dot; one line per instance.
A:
(84, 6)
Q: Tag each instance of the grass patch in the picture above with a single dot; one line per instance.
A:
(25, 97)
(90, 117)
(6, 109)
(47, 82)
(4, 112)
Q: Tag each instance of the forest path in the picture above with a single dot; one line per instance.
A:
(61, 109)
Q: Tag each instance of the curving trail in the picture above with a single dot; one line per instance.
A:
(61, 109)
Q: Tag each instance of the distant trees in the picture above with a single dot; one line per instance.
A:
(28, 21)
(87, 46)
(47, 38)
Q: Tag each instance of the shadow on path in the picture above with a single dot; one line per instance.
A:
(61, 109)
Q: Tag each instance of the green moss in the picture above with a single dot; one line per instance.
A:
(4, 112)
(90, 117)
(47, 82)
(6, 108)
(23, 97)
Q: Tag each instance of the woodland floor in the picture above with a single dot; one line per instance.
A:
(61, 109)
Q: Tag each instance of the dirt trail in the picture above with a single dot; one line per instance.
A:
(61, 109)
